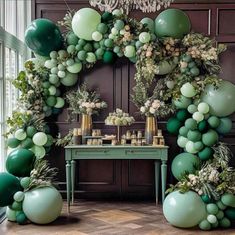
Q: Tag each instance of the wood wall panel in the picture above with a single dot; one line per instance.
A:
(131, 179)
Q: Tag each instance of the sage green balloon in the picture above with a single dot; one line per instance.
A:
(210, 138)
(129, 51)
(149, 23)
(225, 126)
(213, 121)
(166, 67)
(59, 103)
(39, 151)
(184, 210)
(42, 205)
(172, 23)
(85, 22)
(13, 142)
(184, 162)
(182, 103)
(70, 79)
(221, 100)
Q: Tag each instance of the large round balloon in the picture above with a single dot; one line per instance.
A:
(20, 162)
(172, 23)
(184, 162)
(85, 22)
(184, 210)
(42, 205)
(43, 36)
(9, 185)
(225, 126)
(221, 100)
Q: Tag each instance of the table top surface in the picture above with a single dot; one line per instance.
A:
(114, 147)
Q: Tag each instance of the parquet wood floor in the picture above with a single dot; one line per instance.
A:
(107, 218)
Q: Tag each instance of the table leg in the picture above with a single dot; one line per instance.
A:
(73, 170)
(164, 175)
(157, 179)
(68, 183)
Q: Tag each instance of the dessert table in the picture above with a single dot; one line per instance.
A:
(117, 152)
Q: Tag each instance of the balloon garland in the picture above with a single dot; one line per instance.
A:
(190, 88)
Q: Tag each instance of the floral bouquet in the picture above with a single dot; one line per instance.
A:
(151, 107)
(84, 101)
(119, 118)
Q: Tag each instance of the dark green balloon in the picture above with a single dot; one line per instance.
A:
(109, 57)
(172, 23)
(107, 16)
(173, 125)
(9, 185)
(13, 142)
(43, 36)
(20, 162)
(182, 115)
(21, 218)
(206, 199)
(230, 213)
(49, 141)
(206, 153)
(203, 126)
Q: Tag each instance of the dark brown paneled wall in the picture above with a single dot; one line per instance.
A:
(131, 179)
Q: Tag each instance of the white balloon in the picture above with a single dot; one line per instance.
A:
(40, 138)
(20, 134)
(203, 108)
(198, 116)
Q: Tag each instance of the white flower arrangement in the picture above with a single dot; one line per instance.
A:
(151, 107)
(83, 101)
(119, 118)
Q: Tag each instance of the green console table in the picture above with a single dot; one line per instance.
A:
(85, 152)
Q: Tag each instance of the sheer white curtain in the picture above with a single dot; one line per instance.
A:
(15, 15)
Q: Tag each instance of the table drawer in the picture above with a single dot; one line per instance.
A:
(146, 153)
(96, 153)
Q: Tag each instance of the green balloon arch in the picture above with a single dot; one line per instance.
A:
(189, 88)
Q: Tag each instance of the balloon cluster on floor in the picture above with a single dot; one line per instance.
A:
(189, 63)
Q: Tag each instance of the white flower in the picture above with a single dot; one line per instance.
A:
(142, 109)
(147, 103)
(152, 110)
(92, 105)
(156, 104)
(200, 192)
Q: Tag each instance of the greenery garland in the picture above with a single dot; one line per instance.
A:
(166, 68)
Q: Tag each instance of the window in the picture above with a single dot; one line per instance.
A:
(15, 15)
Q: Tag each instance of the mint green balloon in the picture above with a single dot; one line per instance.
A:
(172, 23)
(184, 162)
(190, 148)
(38, 151)
(149, 23)
(129, 51)
(85, 22)
(70, 79)
(97, 36)
(42, 205)
(91, 58)
(40, 138)
(75, 68)
(221, 100)
(59, 103)
(184, 210)
(10, 214)
(182, 103)
(20, 134)
(188, 90)
(182, 141)
(144, 37)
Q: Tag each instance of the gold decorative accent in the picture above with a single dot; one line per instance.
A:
(150, 129)
(86, 125)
